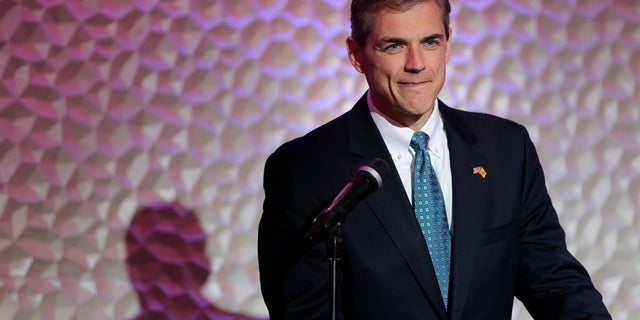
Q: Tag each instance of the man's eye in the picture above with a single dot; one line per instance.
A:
(393, 47)
(432, 43)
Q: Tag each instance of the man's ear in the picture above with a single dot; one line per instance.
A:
(448, 49)
(355, 54)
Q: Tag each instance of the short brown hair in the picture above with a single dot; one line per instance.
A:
(363, 11)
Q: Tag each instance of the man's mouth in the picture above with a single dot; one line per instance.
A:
(412, 83)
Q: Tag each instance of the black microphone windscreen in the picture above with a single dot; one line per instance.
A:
(381, 166)
(377, 169)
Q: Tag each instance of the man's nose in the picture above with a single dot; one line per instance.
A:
(415, 60)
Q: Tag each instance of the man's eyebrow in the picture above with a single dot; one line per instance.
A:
(384, 40)
(438, 36)
(391, 40)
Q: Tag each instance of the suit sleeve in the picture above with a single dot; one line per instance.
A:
(552, 283)
(294, 282)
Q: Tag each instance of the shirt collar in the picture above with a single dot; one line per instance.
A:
(397, 136)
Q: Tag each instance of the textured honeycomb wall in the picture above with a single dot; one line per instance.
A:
(110, 106)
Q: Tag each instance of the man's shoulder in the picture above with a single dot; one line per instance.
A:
(323, 133)
(479, 117)
(332, 134)
(317, 151)
(480, 122)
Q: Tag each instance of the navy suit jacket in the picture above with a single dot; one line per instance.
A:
(506, 241)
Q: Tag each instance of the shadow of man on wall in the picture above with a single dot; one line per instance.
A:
(168, 266)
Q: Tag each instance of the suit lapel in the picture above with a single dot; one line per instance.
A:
(390, 204)
(467, 184)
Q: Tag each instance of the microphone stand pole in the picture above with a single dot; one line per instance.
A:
(329, 224)
(334, 253)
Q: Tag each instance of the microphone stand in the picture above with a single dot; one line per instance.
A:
(368, 179)
(331, 227)
(334, 254)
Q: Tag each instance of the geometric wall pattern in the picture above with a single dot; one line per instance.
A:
(109, 106)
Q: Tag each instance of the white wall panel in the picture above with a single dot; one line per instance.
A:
(110, 106)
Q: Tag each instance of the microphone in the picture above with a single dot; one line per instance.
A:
(367, 180)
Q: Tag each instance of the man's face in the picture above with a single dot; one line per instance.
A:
(404, 61)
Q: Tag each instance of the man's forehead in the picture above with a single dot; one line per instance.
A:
(419, 23)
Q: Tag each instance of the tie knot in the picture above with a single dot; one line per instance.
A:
(419, 141)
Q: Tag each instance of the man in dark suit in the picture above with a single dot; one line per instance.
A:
(505, 238)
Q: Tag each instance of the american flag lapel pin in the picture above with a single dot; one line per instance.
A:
(480, 170)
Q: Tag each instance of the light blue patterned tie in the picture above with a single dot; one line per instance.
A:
(428, 204)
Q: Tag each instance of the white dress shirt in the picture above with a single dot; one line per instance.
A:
(397, 139)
